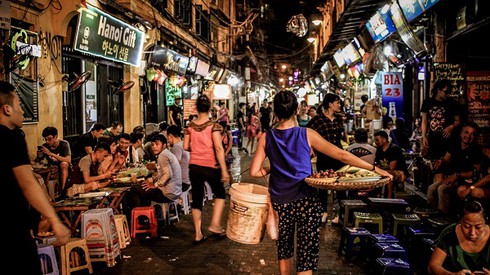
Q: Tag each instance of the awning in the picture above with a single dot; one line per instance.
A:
(356, 13)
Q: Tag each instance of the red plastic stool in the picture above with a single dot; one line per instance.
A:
(151, 228)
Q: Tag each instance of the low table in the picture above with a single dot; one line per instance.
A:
(74, 207)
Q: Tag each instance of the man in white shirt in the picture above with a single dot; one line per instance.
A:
(175, 140)
(136, 143)
(165, 185)
(361, 148)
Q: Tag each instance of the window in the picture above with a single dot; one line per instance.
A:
(202, 23)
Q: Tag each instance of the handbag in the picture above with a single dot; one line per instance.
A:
(272, 224)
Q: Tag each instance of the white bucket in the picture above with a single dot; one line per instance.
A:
(248, 213)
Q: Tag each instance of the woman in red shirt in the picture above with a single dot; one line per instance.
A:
(203, 139)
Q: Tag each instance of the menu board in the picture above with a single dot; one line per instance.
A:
(452, 72)
(478, 96)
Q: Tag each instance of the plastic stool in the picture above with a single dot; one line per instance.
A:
(122, 230)
(70, 262)
(404, 219)
(186, 201)
(424, 212)
(383, 238)
(149, 212)
(346, 208)
(437, 224)
(391, 250)
(372, 218)
(165, 206)
(393, 266)
(208, 192)
(49, 265)
(351, 239)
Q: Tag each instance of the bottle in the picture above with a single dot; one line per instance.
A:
(392, 110)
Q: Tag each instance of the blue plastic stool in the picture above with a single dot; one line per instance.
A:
(393, 266)
(353, 241)
(391, 250)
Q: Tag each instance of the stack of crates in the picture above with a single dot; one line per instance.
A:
(99, 229)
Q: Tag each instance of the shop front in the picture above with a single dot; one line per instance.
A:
(103, 49)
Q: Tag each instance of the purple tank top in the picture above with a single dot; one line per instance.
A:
(289, 155)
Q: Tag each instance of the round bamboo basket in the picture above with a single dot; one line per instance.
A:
(333, 184)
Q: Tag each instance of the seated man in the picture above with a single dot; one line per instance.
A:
(136, 140)
(390, 158)
(122, 151)
(480, 189)
(165, 185)
(455, 167)
(175, 140)
(56, 152)
(361, 148)
(90, 172)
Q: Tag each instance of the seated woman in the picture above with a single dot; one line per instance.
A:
(464, 248)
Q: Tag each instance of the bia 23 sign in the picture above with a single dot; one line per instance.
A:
(102, 35)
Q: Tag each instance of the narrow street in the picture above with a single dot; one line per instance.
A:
(173, 252)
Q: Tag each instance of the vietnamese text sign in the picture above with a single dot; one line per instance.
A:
(102, 35)
(478, 95)
(452, 72)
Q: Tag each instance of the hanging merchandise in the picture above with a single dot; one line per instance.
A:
(183, 80)
(298, 25)
(161, 77)
(151, 74)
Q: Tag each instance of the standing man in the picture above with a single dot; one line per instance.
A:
(329, 124)
(242, 129)
(114, 131)
(265, 116)
(175, 113)
(21, 190)
(57, 152)
(87, 142)
(439, 118)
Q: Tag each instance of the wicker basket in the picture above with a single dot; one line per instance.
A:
(329, 184)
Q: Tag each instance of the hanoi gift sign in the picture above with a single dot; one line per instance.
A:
(102, 35)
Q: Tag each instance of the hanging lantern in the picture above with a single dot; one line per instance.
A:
(297, 25)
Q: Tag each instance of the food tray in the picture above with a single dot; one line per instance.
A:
(328, 183)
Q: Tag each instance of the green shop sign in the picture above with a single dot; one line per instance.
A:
(100, 34)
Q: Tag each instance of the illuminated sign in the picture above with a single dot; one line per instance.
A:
(380, 25)
(339, 58)
(102, 35)
(169, 60)
(413, 8)
(221, 91)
